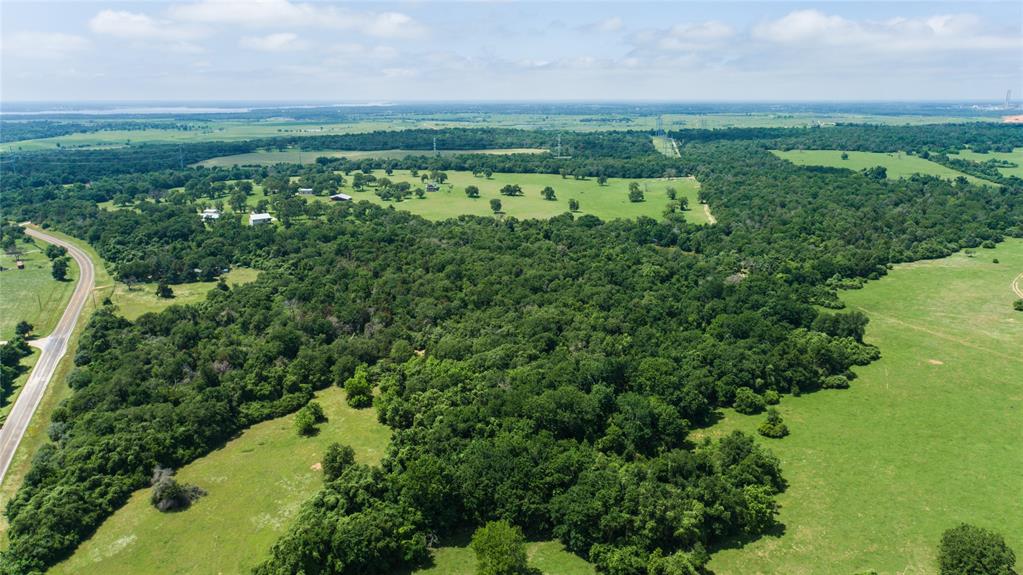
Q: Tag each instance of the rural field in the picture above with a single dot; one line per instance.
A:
(926, 437)
(256, 484)
(898, 164)
(606, 202)
(32, 294)
(1015, 156)
(550, 557)
(296, 156)
(142, 298)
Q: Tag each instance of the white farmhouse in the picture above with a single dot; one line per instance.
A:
(260, 219)
(210, 214)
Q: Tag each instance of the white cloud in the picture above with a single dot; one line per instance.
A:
(689, 37)
(612, 24)
(940, 33)
(276, 13)
(279, 42)
(43, 45)
(135, 26)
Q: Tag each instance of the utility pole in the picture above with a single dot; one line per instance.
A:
(435, 153)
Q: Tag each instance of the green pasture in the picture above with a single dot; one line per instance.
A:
(295, 156)
(256, 484)
(1015, 156)
(549, 557)
(32, 294)
(606, 202)
(898, 164)
(927, 437)
(142, 298)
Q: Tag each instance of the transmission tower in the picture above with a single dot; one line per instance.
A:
(435, 146)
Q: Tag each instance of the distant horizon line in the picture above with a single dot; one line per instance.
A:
(379, 102)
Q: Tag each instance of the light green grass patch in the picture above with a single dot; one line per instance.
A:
(898, 164)
(1015, 156)
(926, 437)
(256, 484)
(142, 298)
(6, 403)
(32, 294)
(550, 557)
(296, 156)
(606, 202)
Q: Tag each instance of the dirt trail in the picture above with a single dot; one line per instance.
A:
(1016, 285)
(710, 217)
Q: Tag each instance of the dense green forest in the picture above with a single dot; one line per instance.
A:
(543, 372)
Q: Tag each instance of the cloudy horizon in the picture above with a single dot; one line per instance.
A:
(511, 51)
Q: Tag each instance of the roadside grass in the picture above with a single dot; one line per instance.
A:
(1015, 156)
(898, 164)
(606, 202)
(256, 484)
(926, 437)
(7, 402)
(142, 298)
(32, 294)
(58, 390)
(296, 156)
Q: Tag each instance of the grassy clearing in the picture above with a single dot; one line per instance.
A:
(1015, 156)
(256, 483)
(550, 557)
(142, 297)
(926, 437)
(295, 156)
(32, 294)
(898, 164)
(665, 146)
(606, 202)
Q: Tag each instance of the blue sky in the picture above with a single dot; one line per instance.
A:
(422, 50)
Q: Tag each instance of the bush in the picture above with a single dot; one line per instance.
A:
(500, 549)
(308, 417)
(23, 328)
(168, 494)
(1018, 305)
(358, 389)
(337, 458)
(747, 401)
(164, 291)
(835, 382)
(773, 427)
(969, 550)
(772, 397)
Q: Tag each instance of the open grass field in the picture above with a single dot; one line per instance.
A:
(296, 156)
(926, 437)
(606, 202)
(1015, 156)
(898, 164)
(32, 294)
(235, 130)
(550, 557)
(142, 297)
(256, 483)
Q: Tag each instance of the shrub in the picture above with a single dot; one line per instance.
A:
(500, 549)
(773, 426)
(163, 290)
(772, 397)
(1018, 305)
(969, 550)
(308, 417)
(358, 389)
(168, 494)
(747, 401)
(835, 382)
(337, 458)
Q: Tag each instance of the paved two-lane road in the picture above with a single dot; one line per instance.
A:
(52, 347)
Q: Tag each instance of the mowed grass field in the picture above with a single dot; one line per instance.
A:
(550, 557)
(295, 156)
(606, 202)
(1015, 156)
(32, 294)
(898, 164)
(256, 484)
(927, 437)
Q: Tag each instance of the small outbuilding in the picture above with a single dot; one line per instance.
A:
(341, 198)
(20, 263)
(305, 191)
(210, 214)
(260, 219)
